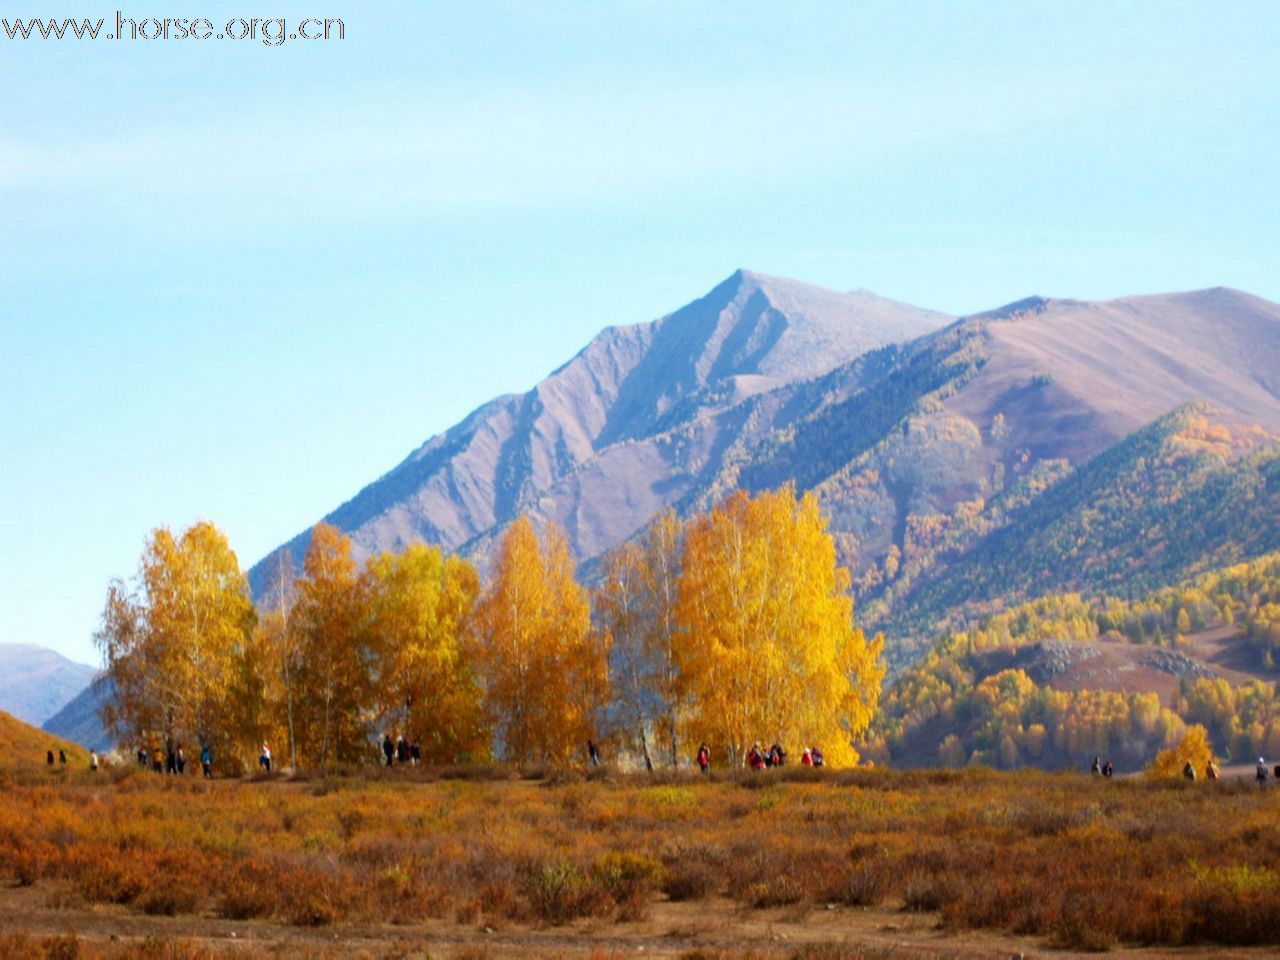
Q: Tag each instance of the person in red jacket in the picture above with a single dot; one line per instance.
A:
(704, 759)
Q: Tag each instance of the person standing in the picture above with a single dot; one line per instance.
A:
(1261, 774)
(704, 759)
(593, 753)
(388, 749)
(49, 757)
(93, 761)
(206, 762)
(264, 760)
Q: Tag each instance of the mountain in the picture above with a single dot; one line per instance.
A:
(38, 681)
(964, 466)
(1053, 682)
(22, 745)
(78, 720)
(633, 423)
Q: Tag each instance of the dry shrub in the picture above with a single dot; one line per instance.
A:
(104, 876)
(628, 880)
(865, 885)
(1239, 918)
(30, 860)
(172, 884)
(775, 892)
(313, 899)
(687, 879)
(248, 892)
(561, 892)
(1085, 922)
(924, 892)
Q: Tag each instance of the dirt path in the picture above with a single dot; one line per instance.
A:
(672, 930)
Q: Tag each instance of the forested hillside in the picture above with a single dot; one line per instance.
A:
(1181, 496)
(1055, 681)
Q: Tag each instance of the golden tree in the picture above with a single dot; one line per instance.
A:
(420, 606)
(767, 648)
(636, 608)
(543, 670)
(178, 642)
(1193, 748)
(278, 645)
(333, 677)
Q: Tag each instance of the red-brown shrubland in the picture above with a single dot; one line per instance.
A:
(1077, 861)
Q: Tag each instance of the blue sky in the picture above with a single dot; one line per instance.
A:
(241, 281)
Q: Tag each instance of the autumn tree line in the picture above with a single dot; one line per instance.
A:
(729, 628)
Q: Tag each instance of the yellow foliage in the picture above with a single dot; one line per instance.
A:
(767, 648)
(544, 670)
(420, 605)
(1193, 748)
(333, 679)
(178, 644)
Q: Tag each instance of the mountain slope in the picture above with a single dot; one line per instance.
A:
(37, 681)
(22, 745)
(961, 470)
(625, 427)
(79, 722)
(1053, 682)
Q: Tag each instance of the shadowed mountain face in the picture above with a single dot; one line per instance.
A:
(38, 682)
(79, 722)
(932, 445)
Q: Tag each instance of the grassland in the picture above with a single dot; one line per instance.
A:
(480, 862)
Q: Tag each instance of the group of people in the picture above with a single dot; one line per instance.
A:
(1101, 769)
(1211, 770)
(776, 756)
(401, 751)
(172, 759)
(62, 759)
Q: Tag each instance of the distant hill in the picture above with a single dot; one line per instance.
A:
(23, 745)
(35, 682)
(78, 721)
(1053, 682)
(961, 463)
